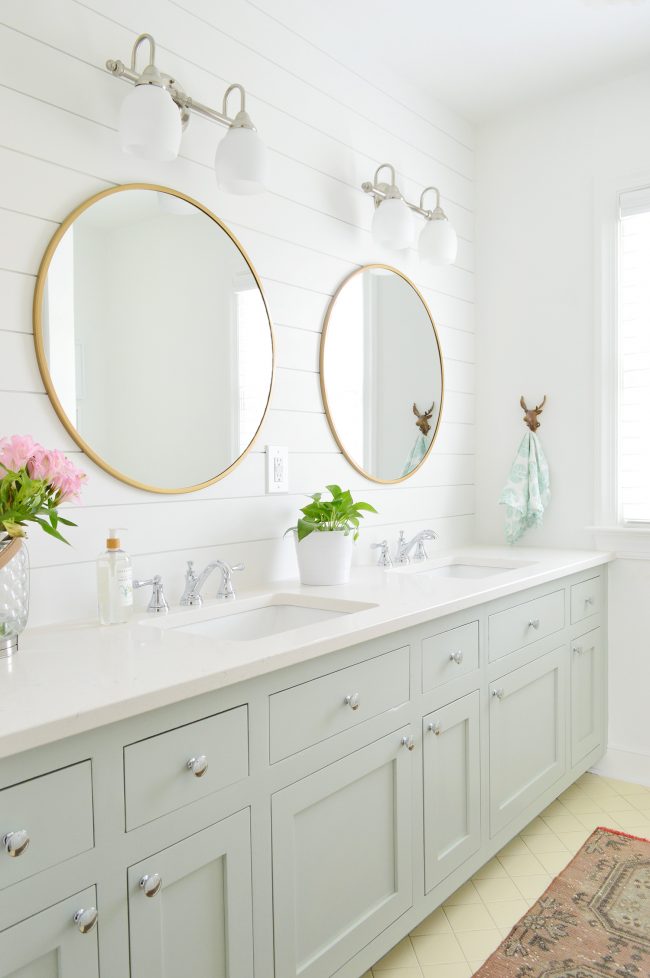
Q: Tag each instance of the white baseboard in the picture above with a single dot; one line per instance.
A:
(625, 766)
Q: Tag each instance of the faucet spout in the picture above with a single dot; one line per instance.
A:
(192, 596)
(404, 547)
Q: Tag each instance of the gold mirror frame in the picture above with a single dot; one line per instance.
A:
(40, 350)
(323, 345)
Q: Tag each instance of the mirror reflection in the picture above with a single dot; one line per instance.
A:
(153, 338)
(381, 373)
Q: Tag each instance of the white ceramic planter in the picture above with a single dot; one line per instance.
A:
(325, 557)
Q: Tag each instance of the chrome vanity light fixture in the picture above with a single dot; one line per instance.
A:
(154, 114)
(392, 223)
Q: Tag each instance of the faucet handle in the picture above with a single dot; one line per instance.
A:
(226, 591)
(157, 603)
(190, 576)
(238, 567)
(384, 557)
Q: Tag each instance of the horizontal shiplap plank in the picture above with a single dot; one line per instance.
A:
(16, 297)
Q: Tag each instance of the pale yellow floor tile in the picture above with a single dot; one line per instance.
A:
(438, 949)
(602, 795)
(628, 819)
(514, 848)
(555, 808)
(641, 802)
(475, 965)
(435, 923)
(464, 894)
(562, 823)
(480, 944)
(492, 870)
(554, 862)
(398, 973)
(506, 914)
(523, 865)
(582, 803)
(546, 843)
(620, 804)
(532, 887)
(401, 956)
(460, 969)
(473, 916)
(536, 827)
(625, 788)
(641, 831)
(496, 890)
(575, 840)
(592, 822)
(368, 974)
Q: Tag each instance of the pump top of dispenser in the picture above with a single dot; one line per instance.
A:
(112, 540)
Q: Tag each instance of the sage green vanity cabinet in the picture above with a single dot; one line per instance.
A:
(527, 735)
(301, 823)
(452, 787)
(342, 857)
(190, 906)
(586, 693)
(50, 945)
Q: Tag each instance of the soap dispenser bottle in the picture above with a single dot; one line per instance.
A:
(114, 582)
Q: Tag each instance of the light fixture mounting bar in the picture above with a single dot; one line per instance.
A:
(378, 194)
(185, 102)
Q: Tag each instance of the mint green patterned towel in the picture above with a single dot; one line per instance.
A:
(416, 454)
(527, 491)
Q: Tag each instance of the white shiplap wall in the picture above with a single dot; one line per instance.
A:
(326, 129)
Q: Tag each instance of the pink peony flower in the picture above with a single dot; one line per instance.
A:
(15, 452)
(53, 468)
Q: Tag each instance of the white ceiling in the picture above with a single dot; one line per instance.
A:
(480, 57)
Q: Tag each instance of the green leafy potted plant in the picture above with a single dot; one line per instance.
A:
(325, 534)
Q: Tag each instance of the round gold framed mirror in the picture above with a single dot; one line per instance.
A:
(381, 373)
(153, 338)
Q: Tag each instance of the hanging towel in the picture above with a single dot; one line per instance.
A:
(527, 491)
(416, 454)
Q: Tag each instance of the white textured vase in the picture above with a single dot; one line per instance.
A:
(325, 557)
(14, 595)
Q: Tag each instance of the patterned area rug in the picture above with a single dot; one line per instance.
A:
(592, 922)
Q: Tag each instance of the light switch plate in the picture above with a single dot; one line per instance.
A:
(277, 469)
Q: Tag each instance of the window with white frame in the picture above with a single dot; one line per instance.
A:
(633, 348)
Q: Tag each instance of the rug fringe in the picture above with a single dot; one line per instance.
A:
(626, 835)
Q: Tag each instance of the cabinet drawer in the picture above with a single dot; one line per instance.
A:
(449, 655)
(586, 599)
(56, 813)
(515, 628)
(49, 943)
(158, 778)
(306, 714)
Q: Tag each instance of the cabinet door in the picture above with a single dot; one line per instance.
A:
(452, 789)
(341, 857)
(527, 735)
(586, 694)
(199, 922)
(50, 944)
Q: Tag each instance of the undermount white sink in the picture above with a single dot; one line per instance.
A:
(255, 618)
(464, 569)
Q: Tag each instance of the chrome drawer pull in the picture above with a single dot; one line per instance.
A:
(16, 843)
(498, 693)
(589, 601)
(578, 649)
(408, 742)
(150, 884)
(533, 623)
(456, 657)
(353, 700)
(198, 765)
(434, 728)
(86, 919)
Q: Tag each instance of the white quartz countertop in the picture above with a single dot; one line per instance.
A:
(67, 679)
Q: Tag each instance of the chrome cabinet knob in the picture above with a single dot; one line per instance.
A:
(434, 728)
(578, 649)
(589, 601)
(198, 765)
(86, 919)
(498, 693)
(533, 623)
(353, 700)
(408, 742)
(150, 884)
(456, 657)
(16, 843)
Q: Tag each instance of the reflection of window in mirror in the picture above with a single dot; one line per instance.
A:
(251, 367)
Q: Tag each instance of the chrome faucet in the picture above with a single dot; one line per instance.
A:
(192, 596)
(404, 547)
(384, 556)
(157, 603)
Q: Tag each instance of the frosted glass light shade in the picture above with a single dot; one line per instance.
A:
(438, 243)
(392, 224)
(150, 124)
(240, 162)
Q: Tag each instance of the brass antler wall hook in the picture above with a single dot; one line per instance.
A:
(531, 415)
(423, 419)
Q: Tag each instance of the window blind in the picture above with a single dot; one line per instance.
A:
(634, 357)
